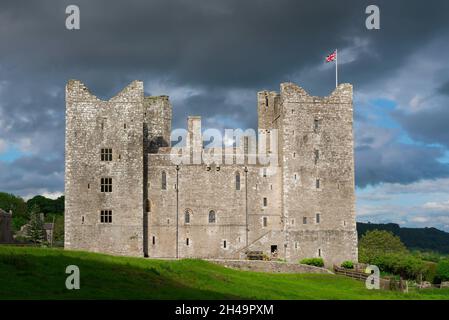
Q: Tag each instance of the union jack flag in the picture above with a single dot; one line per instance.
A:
(331, 57)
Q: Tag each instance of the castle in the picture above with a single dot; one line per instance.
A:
(125, 195)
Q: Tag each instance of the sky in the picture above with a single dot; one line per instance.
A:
(211, 57)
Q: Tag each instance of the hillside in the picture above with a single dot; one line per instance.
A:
(414, 238)
(35, 273)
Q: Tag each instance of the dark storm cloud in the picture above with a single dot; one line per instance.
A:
(217, 46)
(398, 163)
(429, 126)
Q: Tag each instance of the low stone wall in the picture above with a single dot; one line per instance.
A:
(269, 266)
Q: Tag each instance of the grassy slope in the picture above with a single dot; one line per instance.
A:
(34, 273)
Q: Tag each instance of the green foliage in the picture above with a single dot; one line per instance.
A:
(430, 271)
(442, 271)
(347, 265)
(47, 205)
(403, 264)
(377, 243)
(18, 207)
(317, 262)
(428, 239)
(35, 231)
(428, 255)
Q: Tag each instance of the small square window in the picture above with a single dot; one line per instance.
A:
(106, 216)
(106, 154)
(106, 184)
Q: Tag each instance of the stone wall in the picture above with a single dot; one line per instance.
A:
(269, 266)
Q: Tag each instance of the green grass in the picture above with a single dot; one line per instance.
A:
(36, 273)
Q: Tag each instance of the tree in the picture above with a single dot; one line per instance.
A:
(18, 207)
(35, 230)
(47, 205)
(377, 243)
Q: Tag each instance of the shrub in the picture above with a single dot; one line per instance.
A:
(347, 265)
(442, 272)
(377, 243)
(430, 271)
(317, 262)
(405, 265)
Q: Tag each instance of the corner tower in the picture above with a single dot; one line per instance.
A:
(104, 170)
(318, 199)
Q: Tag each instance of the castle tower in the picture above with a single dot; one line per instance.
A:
(104, 170)
(316, 139)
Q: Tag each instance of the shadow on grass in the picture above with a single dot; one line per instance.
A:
(25, 275)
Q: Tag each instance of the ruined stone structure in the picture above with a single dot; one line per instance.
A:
(124, 194)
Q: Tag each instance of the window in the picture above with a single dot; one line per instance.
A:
(224, 244)
(318, 218)
(163, 181)
(266, 101)
(264, 172)
(237, 181)
(317, 156)
(187, 217)
(212, 217)
(154, 240)
(304, 220)
(293, 222)
(106, 216)
(106, 184)
(265, 202)
(316, 125)
(265, 221)
(296, 244)
(106, 154)
(317, 183)
(187, 241)
(82, 220)
(294, 154)
(148, 205)
(319, 252)
(124, 126)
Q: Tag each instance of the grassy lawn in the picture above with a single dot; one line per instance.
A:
(35, 273)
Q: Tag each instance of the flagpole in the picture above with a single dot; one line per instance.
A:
(336, 68)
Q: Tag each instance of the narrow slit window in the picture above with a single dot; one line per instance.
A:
(224, 244)
(318, 218)
(187, 242)
(317, 183)
(265, 221)
(164, 180)
(304, 220)
(265, 202)
(316, 125)
(187, 217)
(317, 156)
(154, 240)
(237, 181)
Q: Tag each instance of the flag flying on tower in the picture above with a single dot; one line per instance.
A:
(334, 57)
(331, 57)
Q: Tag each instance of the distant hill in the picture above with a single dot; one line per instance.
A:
(414, 238)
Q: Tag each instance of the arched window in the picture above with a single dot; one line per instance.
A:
(187, 216)
(164, 181)
(212, 217)
(237, 181)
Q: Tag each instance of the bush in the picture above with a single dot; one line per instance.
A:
(377, 243)
(442, 272)
(317, 262)
(347, 265)
(405, 265)
(430, 271)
